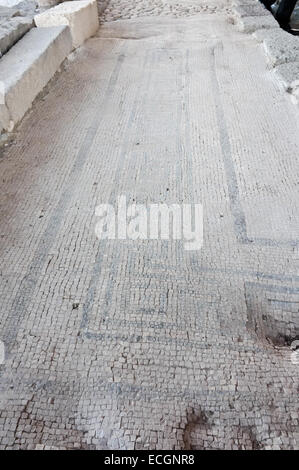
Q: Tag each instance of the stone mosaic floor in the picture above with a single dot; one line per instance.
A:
(143, 345)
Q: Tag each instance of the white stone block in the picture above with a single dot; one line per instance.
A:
(27, 68)
(9, 3)
(81, 17)
(280, 47)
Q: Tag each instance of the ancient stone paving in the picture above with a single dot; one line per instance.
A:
(142, 344)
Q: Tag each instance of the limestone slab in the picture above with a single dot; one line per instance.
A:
(27, 67)
(256, 9)
(249, 24)
(81, 17)
(127, 344)
(280, 46)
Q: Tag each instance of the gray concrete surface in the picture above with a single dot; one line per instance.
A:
(122, 344)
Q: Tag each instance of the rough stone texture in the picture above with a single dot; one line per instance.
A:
(28, 66)
(121, 344)
(19, 8)
(256, 9)
(12, 31)
(130, 9)
(81, 17)
(280, 46)
(249, 24)
(102, 4)
(27, 8)
(289, 74)
(244, 2)
(279, 322)
(6, 13)
(46, 4)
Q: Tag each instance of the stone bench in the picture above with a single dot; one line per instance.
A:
(81, 17)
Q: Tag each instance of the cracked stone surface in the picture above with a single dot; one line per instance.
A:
(140, 344)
